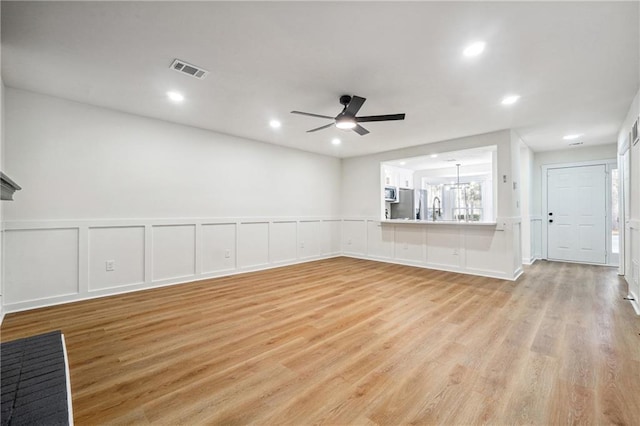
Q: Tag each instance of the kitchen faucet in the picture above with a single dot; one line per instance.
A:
(433, 208)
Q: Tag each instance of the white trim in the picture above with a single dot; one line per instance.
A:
(545, 168)
(328, 248)
(622, 149)
(633, 299)
(131, 288)
(582, 263)
(140, 222)
(438, 267)
(68, 380)
(609, 222)
(518, 272)
(623, 168)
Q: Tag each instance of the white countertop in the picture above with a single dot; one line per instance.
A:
(437, 222)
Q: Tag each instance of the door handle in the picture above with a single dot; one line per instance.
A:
(550, 214)
(550, 220)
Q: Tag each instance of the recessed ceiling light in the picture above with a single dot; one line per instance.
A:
(572, 137)
(402, 163)
(511, 99)
(474, 49)
(175, 96)
(434, 155)
(275, 124)
(336, 141)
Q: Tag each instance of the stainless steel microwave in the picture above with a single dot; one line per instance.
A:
(391, 194)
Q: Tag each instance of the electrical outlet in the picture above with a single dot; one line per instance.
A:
(301, 244)
(227, 253)
(406, 246)
(349, 242)
(455, 252)
(110, 265)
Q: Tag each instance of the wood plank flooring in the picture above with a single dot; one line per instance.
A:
(348, 341)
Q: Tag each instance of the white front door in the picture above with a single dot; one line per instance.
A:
(576, 214)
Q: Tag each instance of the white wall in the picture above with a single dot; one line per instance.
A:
(632, 224)
(76, 161)
(529, 222)
(478, 249)
(166, 203)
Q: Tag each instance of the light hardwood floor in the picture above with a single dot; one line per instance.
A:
(347, 341)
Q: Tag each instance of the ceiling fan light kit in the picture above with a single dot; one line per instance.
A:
(347, 119)
(345, 123)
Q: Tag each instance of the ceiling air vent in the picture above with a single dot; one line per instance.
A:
(186, 68)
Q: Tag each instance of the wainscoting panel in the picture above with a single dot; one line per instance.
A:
(477, 249)
(174, 251)
(633, 270)
(536, 238)
(218, 247)
(444, 247)
(71, 256)
(253, 244)
(516, 248)
(282, 241)
(409, 243)
(483, 249)
(309, 239)
(54, 251)
(331, 237)
(354, 236)
(380, 240)
(124, 247)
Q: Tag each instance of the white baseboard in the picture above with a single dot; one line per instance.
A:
(529, 261)
(153, 253)
(518, 272)
(78, 297)
(634, 302)
(476, 272)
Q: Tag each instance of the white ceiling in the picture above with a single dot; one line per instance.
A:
(575, 65)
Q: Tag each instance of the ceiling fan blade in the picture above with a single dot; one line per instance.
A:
(312, 115)
(320, 128)
(355, 105)
(388, 117)
(360, 130)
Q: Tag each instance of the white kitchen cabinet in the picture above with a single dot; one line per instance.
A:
(397, 176)
(389, 177)
(405, 178)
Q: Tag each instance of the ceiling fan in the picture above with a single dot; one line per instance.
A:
(347, 118)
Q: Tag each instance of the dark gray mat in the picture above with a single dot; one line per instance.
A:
(34, 382)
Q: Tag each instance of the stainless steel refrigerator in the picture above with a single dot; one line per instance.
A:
(404, 208)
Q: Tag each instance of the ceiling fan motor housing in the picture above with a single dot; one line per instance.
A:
(345, 99)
